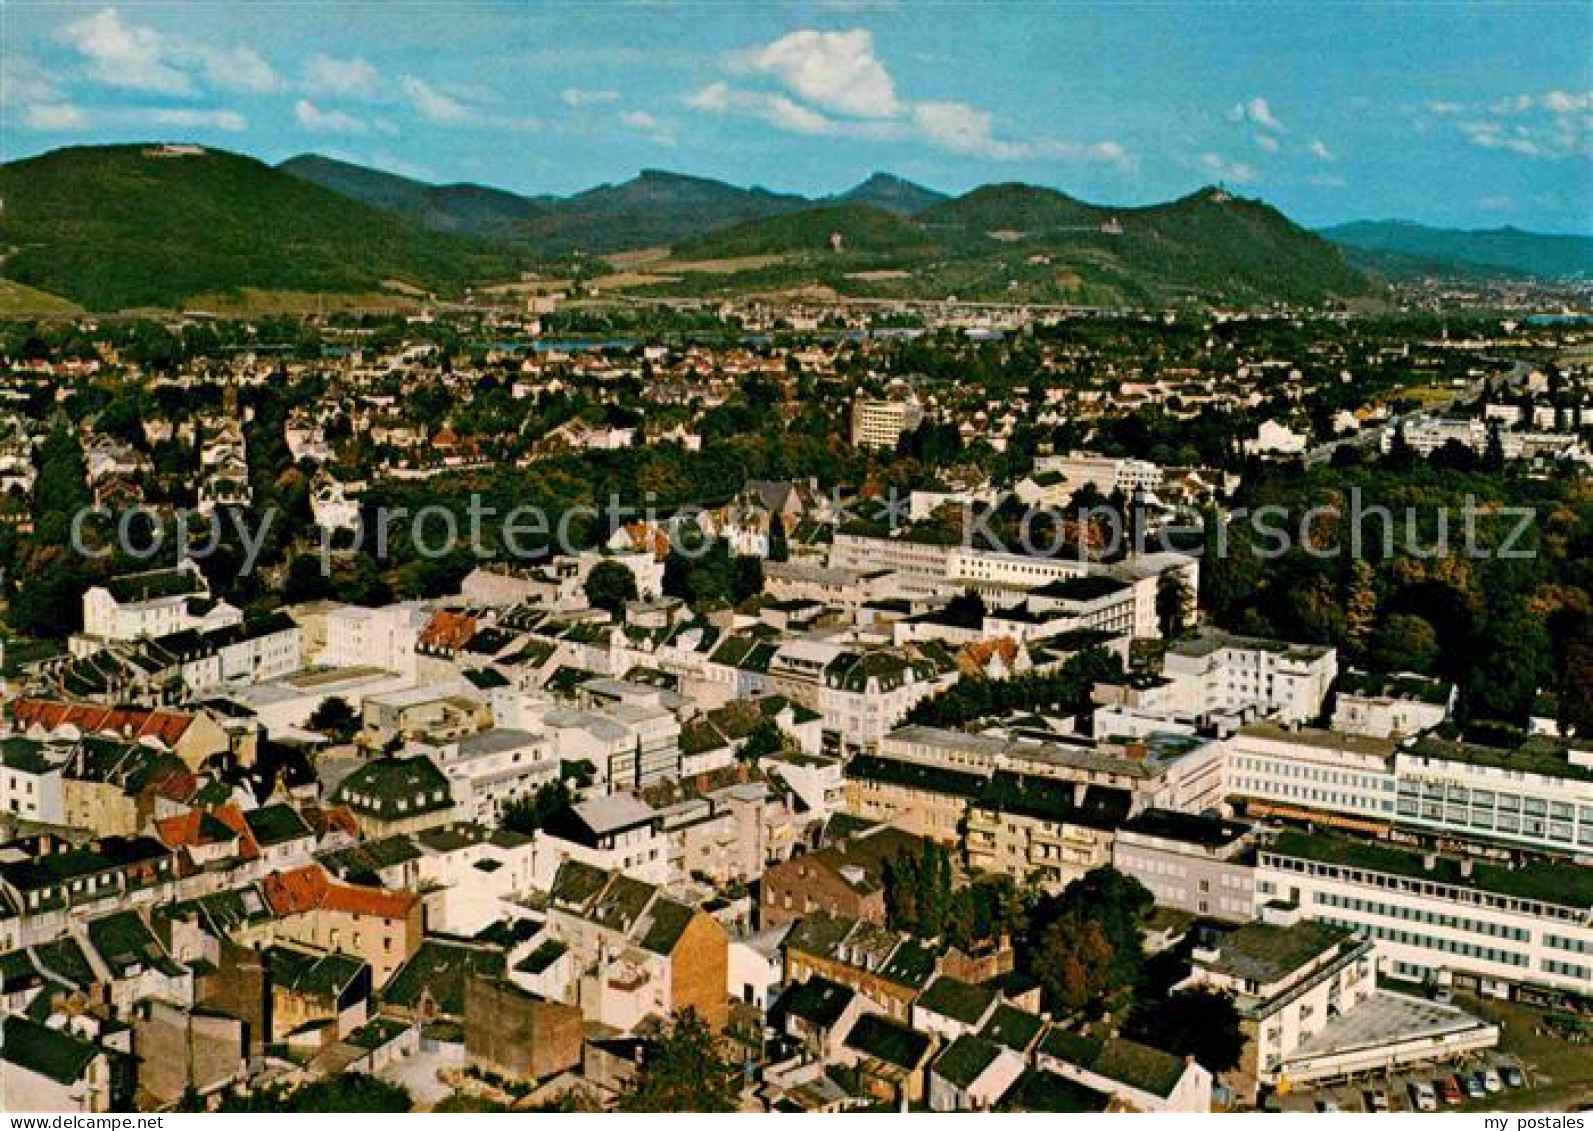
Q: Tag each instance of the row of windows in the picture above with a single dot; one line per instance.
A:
(1575, 946)
(1417, 915)
(1261, 787)
(1568, 969)
(1430, 942)
(1276, 768)
(1503, 821)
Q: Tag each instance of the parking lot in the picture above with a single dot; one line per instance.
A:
(1398, 1088)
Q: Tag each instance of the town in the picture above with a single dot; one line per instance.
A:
(817, 706)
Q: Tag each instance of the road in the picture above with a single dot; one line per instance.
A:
(1373, 436)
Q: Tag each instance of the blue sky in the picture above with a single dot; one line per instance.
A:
(1465, 114)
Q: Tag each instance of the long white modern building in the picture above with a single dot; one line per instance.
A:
(1480, 925)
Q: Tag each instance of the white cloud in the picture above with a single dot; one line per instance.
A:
(433, 105)
(237, 68)
(125, 55)
(348, 78)
(1551, 126)
(775, 109)
(575, 96)
(1320, 151)
(63, 116)
(329, 121)
(960, 128)
(835, 85)
(1237, 172)
(22, 81)
(833, 70)
(1258, 112)
(56, 117)
(1562, 102)
(656, 131)
(118, 53)
(452, 108)
(1266, 142)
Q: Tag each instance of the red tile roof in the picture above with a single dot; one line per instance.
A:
(129, 723)
(309, 888)
(448, 631)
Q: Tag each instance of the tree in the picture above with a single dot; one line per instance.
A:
(1173, 600)
(1088, 943)
(351, 1092)
(1404, 643)
(764, 739)
(1576, 695)
(747, 578)
(335, 717)
(1360, 606)
(525, 815)
(918, 890)
(779, 541)
(610, 586)
(1200, 1022)
(685, 1070)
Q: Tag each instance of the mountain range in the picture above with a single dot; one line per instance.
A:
(113, 227)
(1397, 244)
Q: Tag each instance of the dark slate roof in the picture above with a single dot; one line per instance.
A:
(441, 969)
(959, 1000)
(275, 824)
(889, 1041)
(965, 1059)
(1117, 1058)
(1047, 799)
(818, 1001)
(1013, 1027)
(48, 1052)
(1037, 1090)
(915, 775)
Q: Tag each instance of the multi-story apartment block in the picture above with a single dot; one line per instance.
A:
(1219, 674)
(1042, 831)
(1536, 795)
(1202, 865)
(1485, 926)
(881, 423)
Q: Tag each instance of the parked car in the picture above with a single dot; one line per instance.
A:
(1450, 1090)
(1422, 1096)
(1377, 1100)
(1328, 1107)
(1514, 1076)
(1443, 995)
(1475, 1088)
(1491, 1081)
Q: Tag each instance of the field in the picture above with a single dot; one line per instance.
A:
(18, 301)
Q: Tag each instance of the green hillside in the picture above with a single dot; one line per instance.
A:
(1010, 208)
(463, 209)
(125, 226)
(1035, 245)
(655, 209)
(862, 228)
(892, 193)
